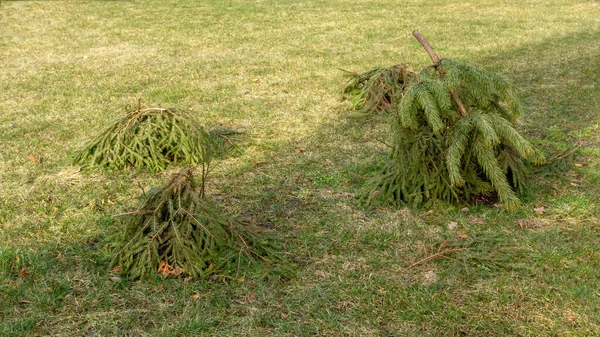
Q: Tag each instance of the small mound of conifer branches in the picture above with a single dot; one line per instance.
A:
(177, 231)
(153, 139)
(453, 135)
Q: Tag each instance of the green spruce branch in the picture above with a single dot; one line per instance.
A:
(154, 139)
(178, 231)
(453, 138)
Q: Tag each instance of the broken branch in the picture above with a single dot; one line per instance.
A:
(438, 254)
(436, 63)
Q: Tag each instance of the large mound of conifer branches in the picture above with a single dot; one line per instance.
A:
(453, 135)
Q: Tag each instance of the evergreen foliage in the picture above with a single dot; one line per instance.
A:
(438, 151)
(176, 231)
(376, 90)
(153, 139)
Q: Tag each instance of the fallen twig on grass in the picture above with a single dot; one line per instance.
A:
(567, 152)
(440, 253)
(359, 176)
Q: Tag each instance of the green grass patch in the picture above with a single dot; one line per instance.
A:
(272, 71)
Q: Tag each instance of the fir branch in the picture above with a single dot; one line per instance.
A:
(458, 144)
(485, 129)
(427, 99)
(408, 109)
(486, 158)
(377, 90)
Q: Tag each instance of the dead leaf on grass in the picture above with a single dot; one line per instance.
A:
(197, 296)
(114, 269)
(462, 235)
(33, 159)
(427, 213)
(464, 209)
(23, 272)
(251, 297)
(165, 269)
(476, 220)
(539, 210)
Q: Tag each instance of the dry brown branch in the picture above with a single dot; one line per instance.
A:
(438, 254)
(404, 72)
(436, 61)
(567, 152)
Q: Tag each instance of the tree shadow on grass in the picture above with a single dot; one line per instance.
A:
(310, 178)
(304, 193)
(311, 182)
(559, 82)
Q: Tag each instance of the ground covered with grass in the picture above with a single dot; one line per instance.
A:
(271, 69)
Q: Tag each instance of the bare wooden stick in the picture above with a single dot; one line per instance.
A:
(359, 176)
(404, 72)
(434, 57)
(567, 152)
(438, 254)
(436, 60)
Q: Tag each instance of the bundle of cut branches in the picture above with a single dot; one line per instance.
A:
(152, 139)
(453, 138)
(176, 231)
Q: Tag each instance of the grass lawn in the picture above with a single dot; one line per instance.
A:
(271, 69)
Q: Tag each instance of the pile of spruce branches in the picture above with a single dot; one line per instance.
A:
(454, 136)
(178, 231)
(154, 139)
